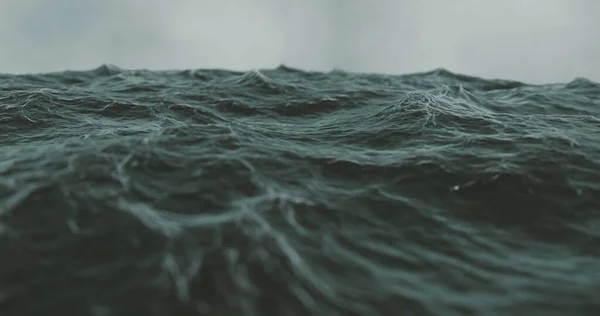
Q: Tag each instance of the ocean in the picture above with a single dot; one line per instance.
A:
(290, 192)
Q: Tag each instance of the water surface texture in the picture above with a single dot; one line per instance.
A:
(286, 192)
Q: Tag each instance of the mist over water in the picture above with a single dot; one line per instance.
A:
(550, 42)
(290, 192)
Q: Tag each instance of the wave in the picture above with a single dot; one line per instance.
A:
(288, 192)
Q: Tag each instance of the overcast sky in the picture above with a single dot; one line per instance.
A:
(537, 41)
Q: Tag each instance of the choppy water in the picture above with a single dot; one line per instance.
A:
(285, 192)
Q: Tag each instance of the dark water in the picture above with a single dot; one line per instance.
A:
(285, 192)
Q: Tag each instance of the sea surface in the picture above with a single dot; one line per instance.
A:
(287, 192)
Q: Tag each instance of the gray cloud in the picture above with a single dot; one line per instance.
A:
(530, 40)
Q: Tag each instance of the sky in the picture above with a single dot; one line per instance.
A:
(536, 41)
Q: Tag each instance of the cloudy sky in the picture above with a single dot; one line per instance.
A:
(537, 41)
